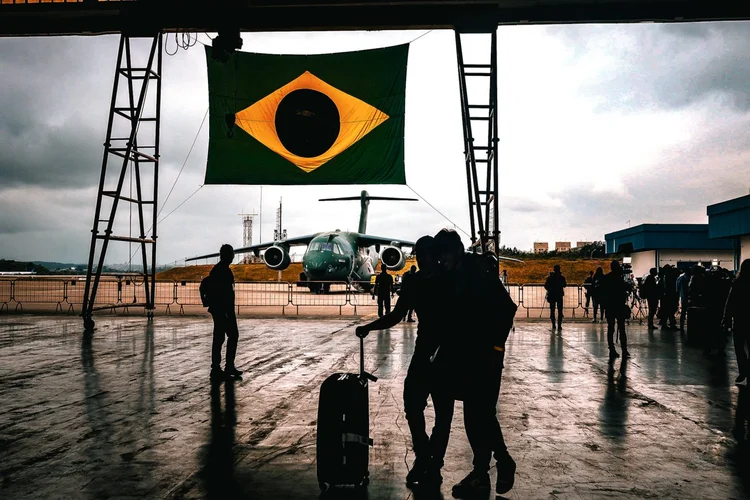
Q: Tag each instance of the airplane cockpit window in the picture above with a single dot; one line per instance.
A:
(324, 246)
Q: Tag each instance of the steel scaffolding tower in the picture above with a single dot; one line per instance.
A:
(132, 147)
(480, 141)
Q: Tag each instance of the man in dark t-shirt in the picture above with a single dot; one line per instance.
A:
(422, 293)
(383, 290)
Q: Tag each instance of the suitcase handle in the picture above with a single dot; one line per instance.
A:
(362, 372)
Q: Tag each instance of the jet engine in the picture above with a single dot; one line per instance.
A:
(277, 258)
(393, 258)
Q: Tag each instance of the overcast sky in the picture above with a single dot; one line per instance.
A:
(599, 125)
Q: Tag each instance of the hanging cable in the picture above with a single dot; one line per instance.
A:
(420, 36)
(183, 41)
(178, 206)
(438, 211)
(195, 139)
(187, 157)
(170, 213)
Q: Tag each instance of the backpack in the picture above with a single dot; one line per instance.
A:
(205, 290)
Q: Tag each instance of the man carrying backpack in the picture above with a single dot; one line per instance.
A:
(219, 294)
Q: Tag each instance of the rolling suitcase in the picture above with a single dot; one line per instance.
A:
(343, 441)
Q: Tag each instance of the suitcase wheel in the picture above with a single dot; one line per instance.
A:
(324, 486)
(364, 482)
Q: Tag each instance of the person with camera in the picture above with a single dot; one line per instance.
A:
(614, 295)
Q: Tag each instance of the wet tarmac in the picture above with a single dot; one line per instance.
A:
(129, 412)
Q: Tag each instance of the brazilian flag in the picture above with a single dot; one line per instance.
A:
(307, 119)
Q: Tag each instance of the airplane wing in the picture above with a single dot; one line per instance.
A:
(298, 241)
(511, 259)
(365, 240)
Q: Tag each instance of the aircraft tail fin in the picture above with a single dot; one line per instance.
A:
(364, 199)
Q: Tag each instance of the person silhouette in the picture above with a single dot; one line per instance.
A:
(404, 279)
(383, 290)
(737, 317)
(614, 294)
(555, 286)
(587, 283)
(422, 293)
(221, 307)
(596, 293)
(651, 292)
(483, 314)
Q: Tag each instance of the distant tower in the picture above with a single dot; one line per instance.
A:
(278, 233)
(247, 234)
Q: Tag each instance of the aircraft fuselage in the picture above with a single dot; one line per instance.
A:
(336, 256)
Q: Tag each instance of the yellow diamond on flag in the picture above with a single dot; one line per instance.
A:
(308, 121)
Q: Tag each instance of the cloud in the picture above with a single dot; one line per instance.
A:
(598, 124)
(663, 66)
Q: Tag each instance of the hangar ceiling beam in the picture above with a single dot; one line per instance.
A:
(133, 16)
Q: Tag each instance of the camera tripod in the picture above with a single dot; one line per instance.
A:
(636, 308)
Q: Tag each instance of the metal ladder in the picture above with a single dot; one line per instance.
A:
(480, 127)
(131, 151)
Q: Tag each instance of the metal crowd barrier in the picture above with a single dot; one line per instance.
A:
(67, 295)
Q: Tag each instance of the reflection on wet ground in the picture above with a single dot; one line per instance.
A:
(129, 412)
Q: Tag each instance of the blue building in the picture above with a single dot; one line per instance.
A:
(730, 221)
(680, 245)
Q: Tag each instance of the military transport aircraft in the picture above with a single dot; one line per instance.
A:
(335, 255)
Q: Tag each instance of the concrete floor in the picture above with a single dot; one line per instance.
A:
(130, 413)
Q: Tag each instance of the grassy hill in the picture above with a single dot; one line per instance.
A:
(531, 271)
(537, 270)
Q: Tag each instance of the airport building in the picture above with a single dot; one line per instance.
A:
(730, 221)
(724, 241)
(562, 246)
(680, 245)
(541, 247)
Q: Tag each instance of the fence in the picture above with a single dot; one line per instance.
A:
(66, 295)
